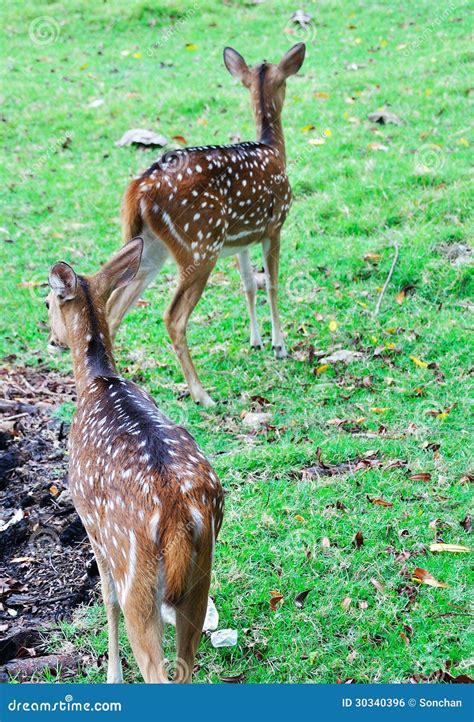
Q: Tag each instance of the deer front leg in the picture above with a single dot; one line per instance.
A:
(187, 295)
(271, 259)
(250, 288)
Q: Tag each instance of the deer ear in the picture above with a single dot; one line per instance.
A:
(63, 281)
(122, 268)
(292, 61)
(235, 64)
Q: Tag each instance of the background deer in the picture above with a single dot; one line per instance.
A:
(199, 204)
(149, 500)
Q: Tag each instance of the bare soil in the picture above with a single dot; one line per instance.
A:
(46, 564)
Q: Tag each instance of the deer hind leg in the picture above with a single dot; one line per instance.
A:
(112, 608)
(250, 288)
(190, 615)
(187, 295)
(154, 256)
(271, 260)
(144, 629)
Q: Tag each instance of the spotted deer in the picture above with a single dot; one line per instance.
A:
(199, 204)
(150, 502)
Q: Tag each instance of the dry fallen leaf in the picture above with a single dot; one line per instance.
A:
(301, 18)
(346, 602)
(275, 599)
(321, 369)
(325, 543)
(359, 539)
(440, 413)
(423, 577)
(383, 117)
(300, 598)
(142, 137)
(422, 476)
(343, 355)
(363, 604)
(378, 585)
(453, 548)
(20, 560)
(405, 639)
(419, 362)
(29, 284)
(377, 146)
(380, 502)
(255, 419)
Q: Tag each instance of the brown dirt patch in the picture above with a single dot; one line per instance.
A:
(46, 564)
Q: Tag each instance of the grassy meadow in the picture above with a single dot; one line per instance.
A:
(75, 77)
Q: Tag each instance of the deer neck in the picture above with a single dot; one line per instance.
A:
(90, 341)
(268, 118)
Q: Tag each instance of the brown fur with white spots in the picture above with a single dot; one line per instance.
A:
(197, 204)
(149, 500)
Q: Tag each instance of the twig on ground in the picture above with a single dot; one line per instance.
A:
(390, 273)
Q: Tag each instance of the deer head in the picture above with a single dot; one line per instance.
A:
(72, 294)
(267, 83)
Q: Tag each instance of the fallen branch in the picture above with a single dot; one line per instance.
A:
(17, 407)
(388, 279)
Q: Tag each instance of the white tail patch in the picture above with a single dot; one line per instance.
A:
(153, 524)
(198, 521)
(211, 622)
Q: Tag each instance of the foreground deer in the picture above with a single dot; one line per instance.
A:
(198, 204)
(150, 502)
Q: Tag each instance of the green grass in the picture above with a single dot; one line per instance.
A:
(351, 199)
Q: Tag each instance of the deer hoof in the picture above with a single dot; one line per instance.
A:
(257, 346)
(280, 352)
(203, 399)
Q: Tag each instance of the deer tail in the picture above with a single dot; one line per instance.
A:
(132, 221)
(177, 550)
